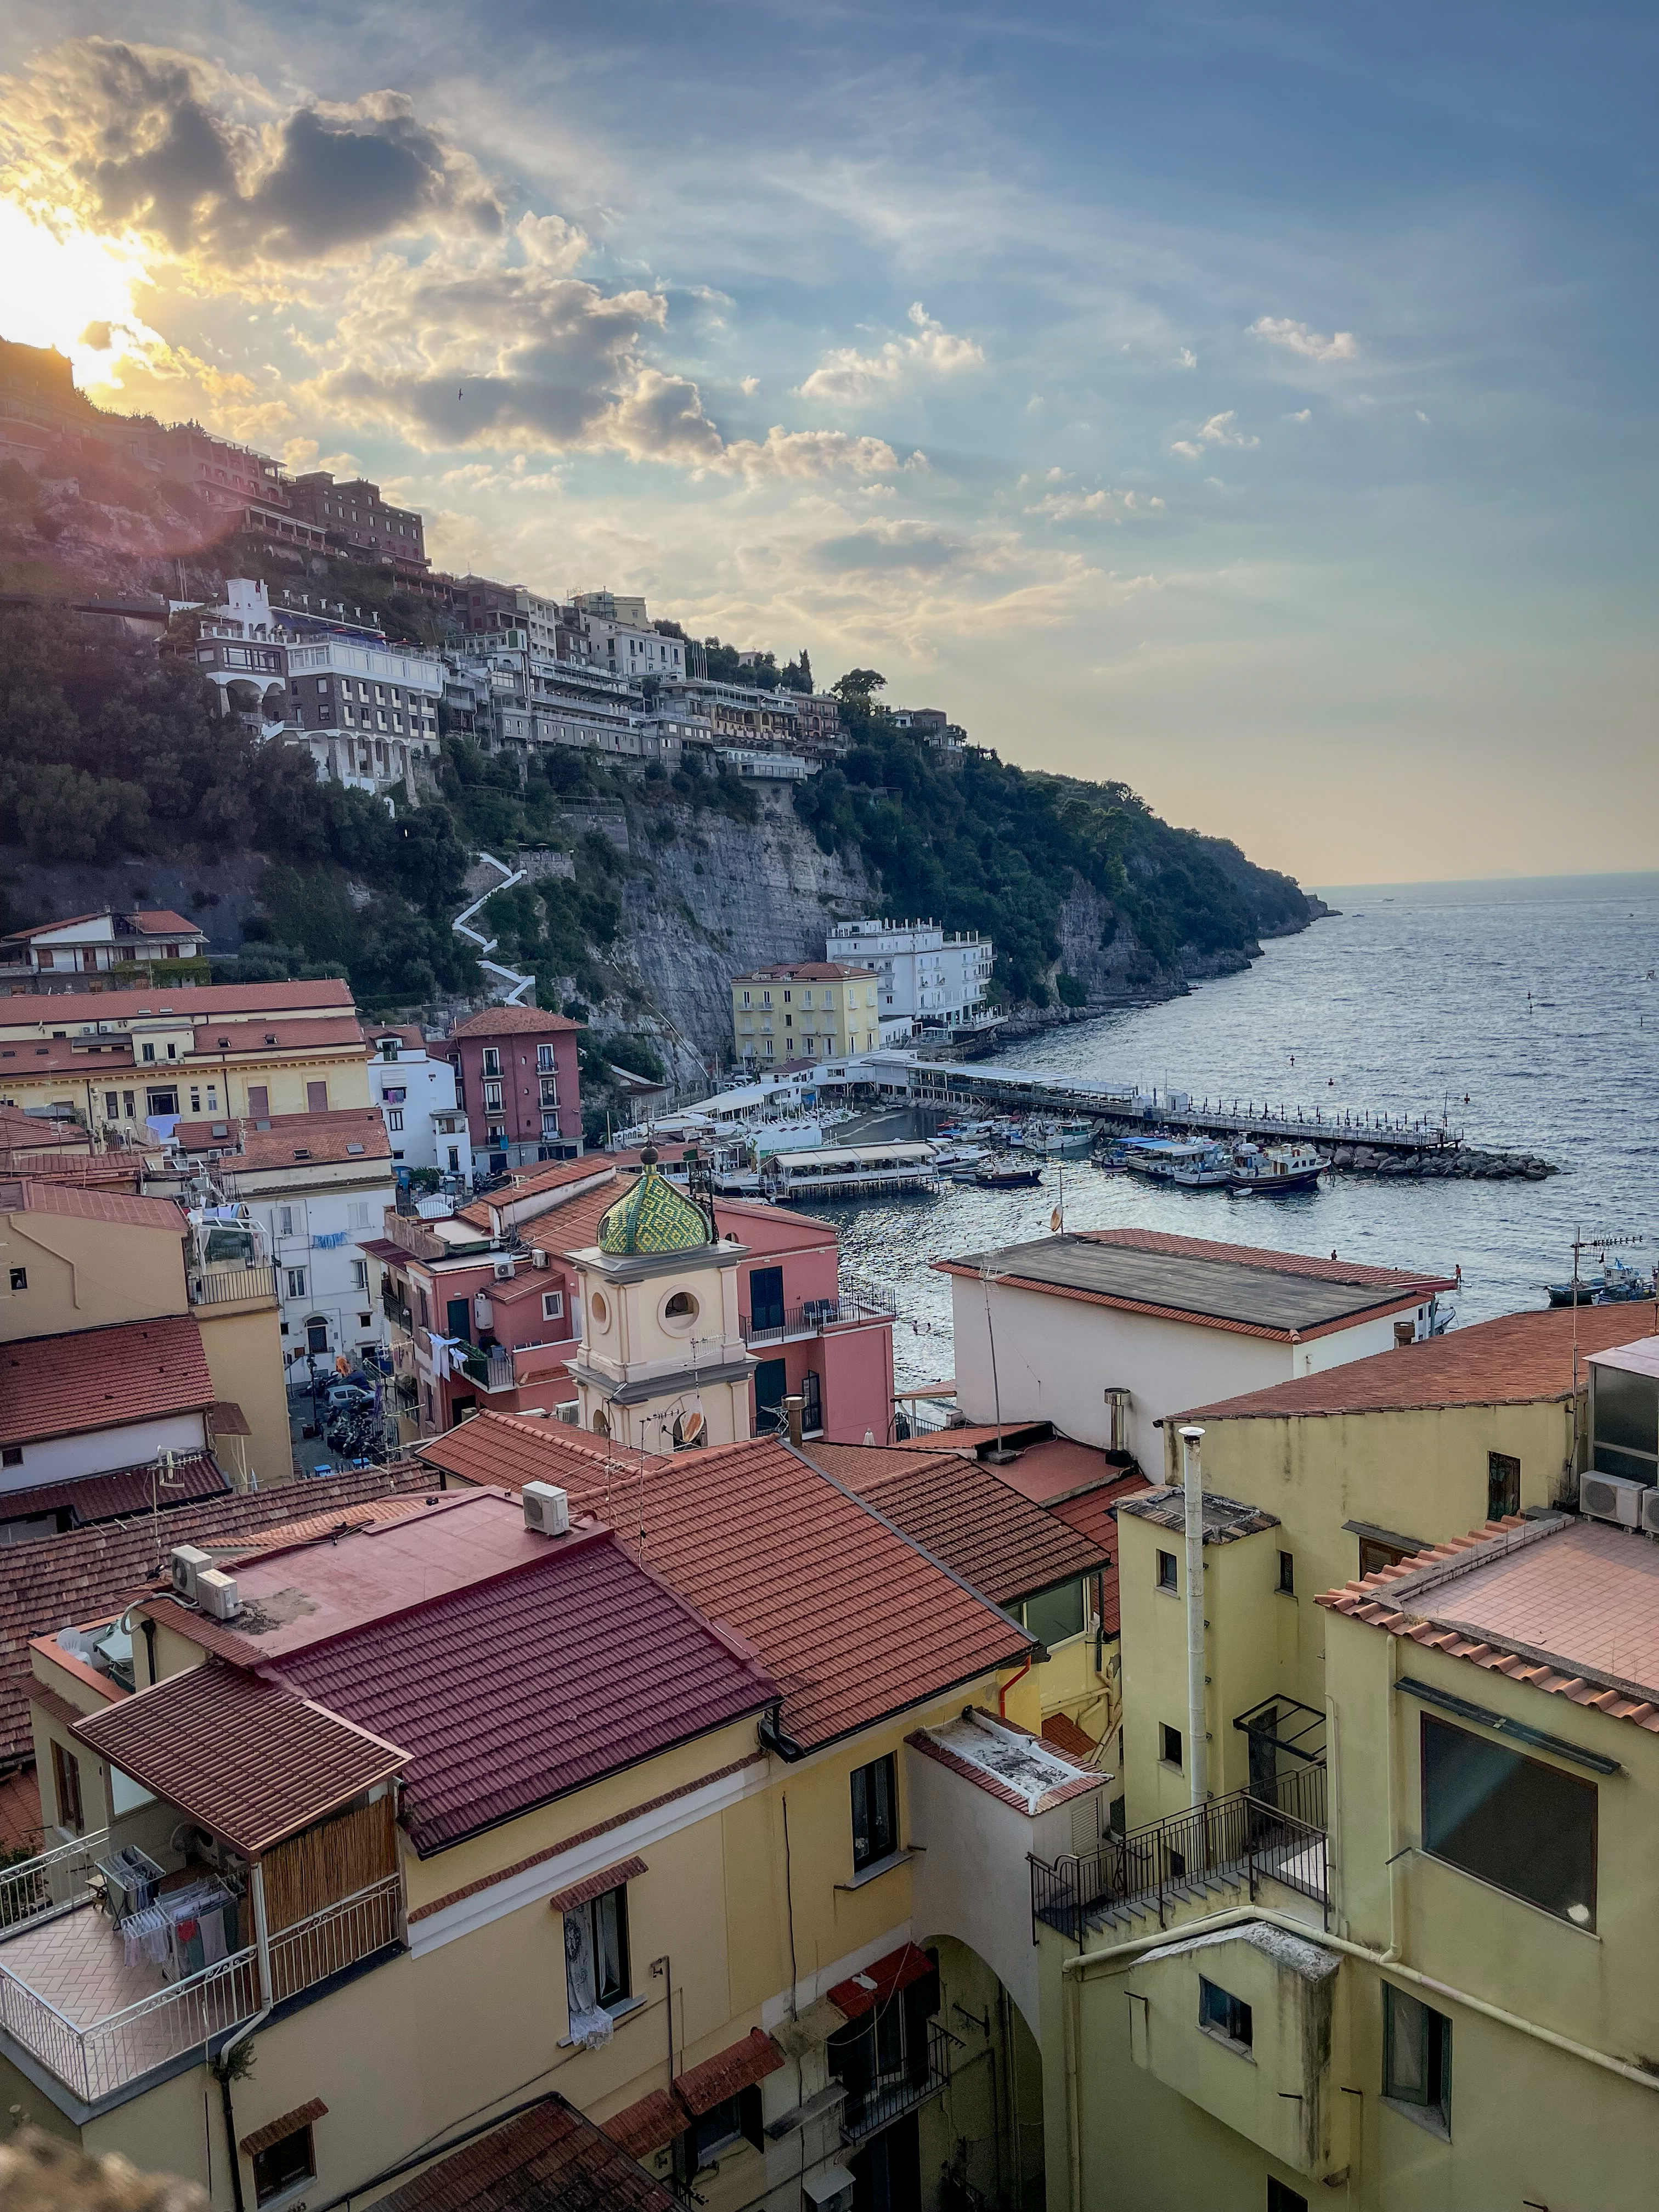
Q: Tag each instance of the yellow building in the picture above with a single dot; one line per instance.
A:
(77, 1260)
(117, 1059)
(811, 1010)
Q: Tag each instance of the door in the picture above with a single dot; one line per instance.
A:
(458, 1316)
(258, 1102)
(766, 1299)
(771, 1385)
(316, 1336)
(316, 1097)
(887, 2172)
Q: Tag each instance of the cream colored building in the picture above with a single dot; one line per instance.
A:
(814, 1010)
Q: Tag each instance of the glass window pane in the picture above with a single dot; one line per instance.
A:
(1626, 1409)
(1515, 1822)
(1404, 2074)
(1054, 1614)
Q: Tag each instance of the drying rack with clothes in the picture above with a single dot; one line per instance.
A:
(184, 1931)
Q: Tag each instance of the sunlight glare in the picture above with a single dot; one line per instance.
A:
(57, 289)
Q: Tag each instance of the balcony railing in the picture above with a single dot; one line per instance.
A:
(397, 1312)
(868, 2111)
(490, 1370)
(98, 2058)
(221, 1286)
(1230, 1842)
(811, 1319)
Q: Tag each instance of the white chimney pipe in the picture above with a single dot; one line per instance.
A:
(1192, 1478)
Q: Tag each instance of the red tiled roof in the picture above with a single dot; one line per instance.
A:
(970, 1436)
(550, 2160)
(21, 1827)
(95, 1498)
(49, 1055)
(247, 1757)
(243, 1036)
(808, 971)
(887, 1978)
(511, 1021)
(1094, 1516)
(1065, 1735)
(702, 2087)
(512, 1691)
(1519, 1358)
(591, 1168)
(21, 1131)
(102, 1378)
(610, 1877)
(574, 1225)
(161, 922)
(196, 1001)
(88, 1574)
(850, 1619)
(284, 2124)
(958, 1510)
(33, 1195)
(650, 2125)
(1567, 1606)
(346, 1132)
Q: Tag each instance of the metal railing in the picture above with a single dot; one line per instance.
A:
(219, 1286)
(396, 1311)
(491, 1370)
(812, 1318)
(95, 2058)
(49, 1881)
(889, 2097)
(1237, 1839)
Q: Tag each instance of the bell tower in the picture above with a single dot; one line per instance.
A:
(663, 1364)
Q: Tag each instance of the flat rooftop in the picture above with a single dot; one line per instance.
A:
(1235, 1286)
(1026, 1770)
(1569, 1607)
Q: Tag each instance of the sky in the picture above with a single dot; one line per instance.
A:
(1252, 402)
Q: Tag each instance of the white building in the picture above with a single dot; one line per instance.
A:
(624, 641)
(1107, 1332)
(928, 981)
(765, 767)
(415, 1095)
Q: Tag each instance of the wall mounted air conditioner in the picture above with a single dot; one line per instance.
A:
(568, 1412)
(188, 1565)
(537, 1257)
(546, 1508)
(1649, 1505)
(503, 1271)
(1612, 1497)
(216, 1593)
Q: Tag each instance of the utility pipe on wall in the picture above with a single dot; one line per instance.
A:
(1198, 1749)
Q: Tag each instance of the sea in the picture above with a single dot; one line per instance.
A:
(1525, 1013)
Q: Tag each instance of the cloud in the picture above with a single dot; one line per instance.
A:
(750, 387)
(1296, 337)
(176, 150)
(1186, 358)
(1100, 506)
(845, 374)
(1219, 430)
(1302, 415)
(1421, 416)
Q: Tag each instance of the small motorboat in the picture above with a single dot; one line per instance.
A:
(1211, 1170)
(1276, 1168)
(1007, 1175)
(1575, 1294)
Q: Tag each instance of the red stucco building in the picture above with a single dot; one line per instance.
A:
(516, 1080)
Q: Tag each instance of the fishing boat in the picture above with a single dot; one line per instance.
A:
(1212, 1170)
(1159, 1158)
(1275, 1168)
(1584, 1293)
(1007, 1175)
(1622, 1286)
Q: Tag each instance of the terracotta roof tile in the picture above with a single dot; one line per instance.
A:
(650, 2125)
(1061, 1730)
(850, 1619)
(196, 1001)
(1517, 1360)
(1226, 1519)
(610, 1877)
(700, 2089)
(550, 2160)
(274, 1035)
(958, 1510)
(94, 1498)
(249, 1760)
(285, 2124)
(886, 1978)
(346, 1132)
(161, 922)
(102, 1378)
(34, 1195)
(509, 1021)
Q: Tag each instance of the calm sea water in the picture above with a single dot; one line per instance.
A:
(1416, 997)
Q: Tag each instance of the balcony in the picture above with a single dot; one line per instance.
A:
(1214, 1851)
(99, 2020)
(397, 1312)
(491, 1369)
(811, 1319)
(889, 2096)
(216, 1286)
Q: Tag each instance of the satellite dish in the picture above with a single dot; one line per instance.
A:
(1054, 1222)
(693, 1427)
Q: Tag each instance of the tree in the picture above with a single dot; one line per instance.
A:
(854, 689)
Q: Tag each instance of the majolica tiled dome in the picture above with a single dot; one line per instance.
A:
(652, 1216)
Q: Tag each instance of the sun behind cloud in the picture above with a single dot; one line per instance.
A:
(66, 287)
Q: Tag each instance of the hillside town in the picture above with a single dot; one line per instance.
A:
(519, 1688)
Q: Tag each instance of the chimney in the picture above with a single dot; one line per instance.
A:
(791, 1408)
(1405, 1332)
(1198, 1746)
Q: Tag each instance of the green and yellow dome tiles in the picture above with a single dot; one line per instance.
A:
(652, 1216)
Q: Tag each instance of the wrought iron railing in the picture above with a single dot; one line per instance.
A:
(810, 1318)
(49, 1881)
(219, 1286)
(491, 1370)
(396, 1311)
(337, 1937)
(889, 2096)
(1238, 1839)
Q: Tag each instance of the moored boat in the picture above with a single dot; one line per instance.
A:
(1007, 1174)
(1275, 1168)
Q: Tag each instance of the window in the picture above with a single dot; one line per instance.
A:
(552, 1305)
(12, 1455)
(1375, 1555)
(296, 1282)
(733, 2120)
(195, 1102)
(1512, 1821)
(766, 1299)
(596, 1970)
(1283, 2199)
(20, 1278)
(492, 1060)
(492, 1098)
(127, 1104)
(875, 1812)
(1168, 1745)
(1054, 1614)
(549, 1091)
(1166, 1571)
(394, 1119)
(545, 1056)
(1417, 2044)
(1503, 1486)
(1287, 1573)
(359, 1214)
(158, 1104)
(147, 1052)
(112, 1105)
(66, 1787)
(283, 2165)
(360, 1274)
(1224, 2014)
(259, 1101)
(316, 1097)
(285, 1221)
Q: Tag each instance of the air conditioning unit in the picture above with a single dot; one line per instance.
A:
(569, 1412)
(538, 1258)
(829, 2190)
(1650, 1502)
(188, 1565)
(503, 1271)
(546, 1508)
(1612, 1497)
(216, 1593)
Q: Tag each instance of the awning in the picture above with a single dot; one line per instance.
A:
(861, 1993)
(723, 2077)
(382, 1249)
(274, 2131)
(646, 2126)
(583, 1892)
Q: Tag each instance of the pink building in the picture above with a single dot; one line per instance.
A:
(485, 1314)
(517, 1082)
